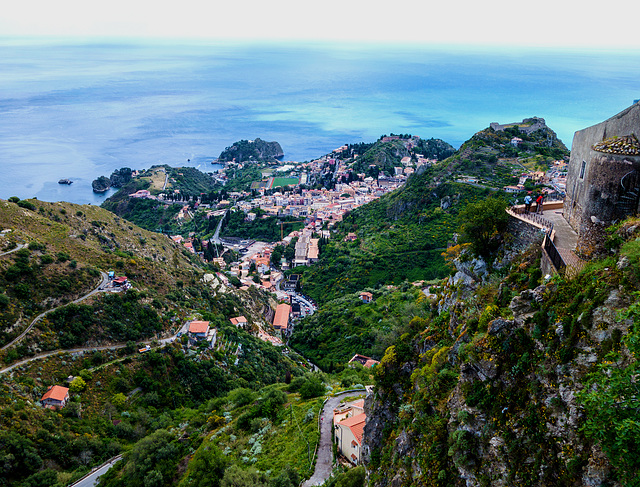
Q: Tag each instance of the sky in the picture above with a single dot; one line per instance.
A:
(544, 23)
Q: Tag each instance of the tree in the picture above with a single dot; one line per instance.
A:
(119, 400)
(482, 225)
(313, 387)
(77, 384)
(289, 477)
(354, 477)
(206, 469)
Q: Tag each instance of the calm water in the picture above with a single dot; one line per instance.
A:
(81, 111)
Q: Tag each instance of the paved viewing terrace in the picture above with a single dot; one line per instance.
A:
(551, 221)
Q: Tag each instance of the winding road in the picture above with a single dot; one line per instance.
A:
(15, 249)
(100, 288)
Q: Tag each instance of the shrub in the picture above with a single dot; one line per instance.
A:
(77, 384)
(63, 256)
(313, 387)
(26, 204)
(242, 396)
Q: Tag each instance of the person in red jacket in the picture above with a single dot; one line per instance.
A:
(539, 201)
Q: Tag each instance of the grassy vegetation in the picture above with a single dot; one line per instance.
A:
(346, 326)
(264, 227)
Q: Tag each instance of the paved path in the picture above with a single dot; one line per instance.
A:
(61, 351)
(101, 287)
(324, 463)
(565, 236)
(92, 478)
(216, 236)
(15, 249)
(565, 240)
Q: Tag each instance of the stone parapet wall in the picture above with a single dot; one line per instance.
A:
(523, 233)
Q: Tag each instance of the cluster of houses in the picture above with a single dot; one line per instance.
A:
(555, 179)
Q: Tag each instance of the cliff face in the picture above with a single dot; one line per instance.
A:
(509, 385)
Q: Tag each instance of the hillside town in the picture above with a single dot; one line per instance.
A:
(316, 196)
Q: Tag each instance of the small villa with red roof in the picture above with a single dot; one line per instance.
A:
(366, 296)
(200, 330)
(366, 362)
(239, 321)
(55, 397)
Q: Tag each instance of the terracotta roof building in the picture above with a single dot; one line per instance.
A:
(55, 397)
(367, 362)
(281, 319)
(239, 321)
(199, 329)
(366, 296)
(349, 433)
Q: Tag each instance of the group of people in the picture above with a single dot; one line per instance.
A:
(528, 200)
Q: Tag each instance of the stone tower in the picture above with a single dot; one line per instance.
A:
(603, 182)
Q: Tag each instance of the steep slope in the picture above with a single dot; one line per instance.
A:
(517, 383)
(398, 237)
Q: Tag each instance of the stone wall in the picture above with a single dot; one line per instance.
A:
(595, 197)
(523, 234)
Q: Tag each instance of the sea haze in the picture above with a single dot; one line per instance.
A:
(81, 111)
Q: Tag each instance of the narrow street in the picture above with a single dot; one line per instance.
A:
(324, 462)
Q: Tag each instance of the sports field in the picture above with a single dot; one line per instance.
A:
(276, 182)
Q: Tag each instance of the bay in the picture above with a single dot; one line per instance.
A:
(78, 111)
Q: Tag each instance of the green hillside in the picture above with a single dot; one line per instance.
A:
(54, 253)
(399, 237)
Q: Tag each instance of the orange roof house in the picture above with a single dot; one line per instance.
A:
(348, 434)
(281, 319)
(239, 321)
(366, 296)
(348, 409)
(55, 397)
(199, 329)
(367, 362)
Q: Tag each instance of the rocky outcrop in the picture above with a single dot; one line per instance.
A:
(512, 416)
(118, 178)
(101, 184)
(256, 150)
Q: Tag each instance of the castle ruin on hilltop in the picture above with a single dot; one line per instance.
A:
(527, 126)
(603, 180)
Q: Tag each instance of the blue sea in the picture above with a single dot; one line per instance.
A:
(79, 111)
